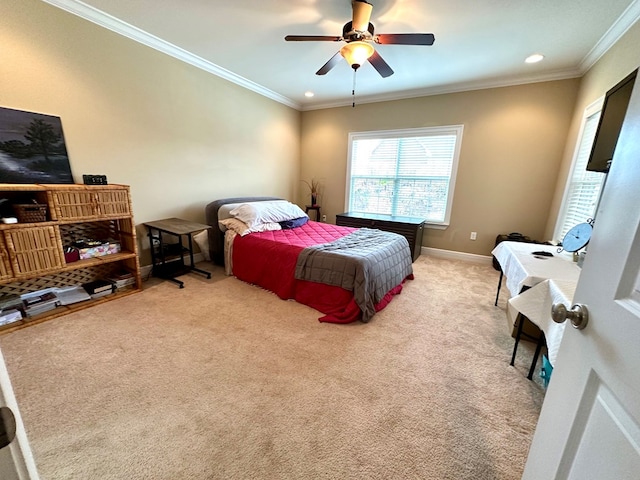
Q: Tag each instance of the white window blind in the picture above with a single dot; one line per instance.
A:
(583, 188)
(404, 172)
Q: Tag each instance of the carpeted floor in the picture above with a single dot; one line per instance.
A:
(223, 380)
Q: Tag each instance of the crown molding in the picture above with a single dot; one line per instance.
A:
(76, 7)
(445, 89)
(116, 25)
(628, 18)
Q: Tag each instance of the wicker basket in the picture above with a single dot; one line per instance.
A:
(30, 212)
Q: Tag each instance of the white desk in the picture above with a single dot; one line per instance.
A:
(535, 304)
(523, 269)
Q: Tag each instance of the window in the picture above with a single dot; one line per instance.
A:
(404, 172)
(583, 187)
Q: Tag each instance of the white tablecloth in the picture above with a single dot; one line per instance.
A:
(523, 269)
(535, 304)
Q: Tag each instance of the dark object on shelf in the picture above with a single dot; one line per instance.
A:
(5, 208)
(99, 286)
(614, 109)
(87, 243)
(71, 254)
(511, 237)
(542, 253)
(10, 301)
(409, 227)
(30, 212)
(94, 179)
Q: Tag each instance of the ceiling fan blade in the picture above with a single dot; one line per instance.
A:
(333, 61)
(380, 65)
(405, 38)
(361, 15)
(311, 38)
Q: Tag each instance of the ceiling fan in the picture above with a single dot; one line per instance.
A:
(359, 36)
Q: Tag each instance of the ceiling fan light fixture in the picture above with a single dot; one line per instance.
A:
(356, 53)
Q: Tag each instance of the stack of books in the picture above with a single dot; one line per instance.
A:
(10, 308)
(10, 301)
(99, 288)
(10, 316)
(73, 294)
(35, 303)
(123, 279)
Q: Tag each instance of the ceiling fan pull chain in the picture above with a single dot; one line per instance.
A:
(353, 90)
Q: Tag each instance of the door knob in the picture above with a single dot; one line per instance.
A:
(579, 315)
(7, 426)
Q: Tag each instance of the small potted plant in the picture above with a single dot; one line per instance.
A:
(313, 187)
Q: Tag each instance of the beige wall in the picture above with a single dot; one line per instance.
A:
(617, 63)
(513, 142)
(180, 137)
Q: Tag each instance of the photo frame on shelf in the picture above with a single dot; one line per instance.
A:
(32, 148)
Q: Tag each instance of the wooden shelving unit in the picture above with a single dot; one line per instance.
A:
(32, 254)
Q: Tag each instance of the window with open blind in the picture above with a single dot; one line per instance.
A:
(404, 172)
(583, 187)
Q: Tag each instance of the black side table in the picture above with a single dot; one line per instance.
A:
(168, 258)
(316, 208)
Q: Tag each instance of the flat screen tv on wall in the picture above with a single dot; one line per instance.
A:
(613, 111)
(32, 148)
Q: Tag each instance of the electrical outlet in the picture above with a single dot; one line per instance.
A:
(324, 218)
(474, 235)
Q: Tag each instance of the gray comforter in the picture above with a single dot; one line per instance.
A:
(368, 262)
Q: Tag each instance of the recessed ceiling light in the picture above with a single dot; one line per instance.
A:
(309, 94)
(535, 58)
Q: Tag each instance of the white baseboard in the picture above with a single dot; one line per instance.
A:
(452, 255)
(145, 270)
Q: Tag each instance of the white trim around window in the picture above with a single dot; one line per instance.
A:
(408, 172)
(583, 187)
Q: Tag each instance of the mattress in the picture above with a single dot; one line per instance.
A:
(268, 259)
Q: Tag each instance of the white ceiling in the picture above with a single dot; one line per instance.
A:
(479, 43)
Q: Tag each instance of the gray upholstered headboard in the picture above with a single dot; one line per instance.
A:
(216, 237)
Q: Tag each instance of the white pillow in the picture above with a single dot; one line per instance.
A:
(243, 229)
(223, 211)
(255, 213)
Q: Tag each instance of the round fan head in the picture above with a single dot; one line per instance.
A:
(359, 36)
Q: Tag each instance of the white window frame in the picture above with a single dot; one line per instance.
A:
(592, 109)
(456, 130)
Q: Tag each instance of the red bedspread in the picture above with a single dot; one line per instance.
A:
(268, 259)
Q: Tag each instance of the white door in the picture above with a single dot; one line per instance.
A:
(589, 426)
(16, 461)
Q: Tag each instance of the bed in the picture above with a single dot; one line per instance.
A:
(345, 273)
